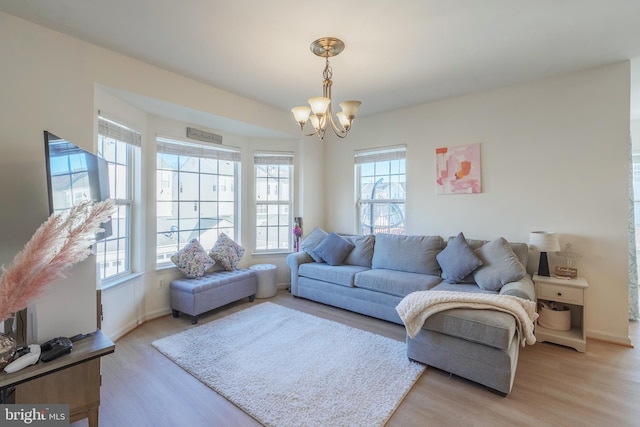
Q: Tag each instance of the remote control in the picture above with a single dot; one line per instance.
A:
(22, 362)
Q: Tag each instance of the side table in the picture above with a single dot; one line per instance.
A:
(571, 293)
(73, 379)
(267, 286)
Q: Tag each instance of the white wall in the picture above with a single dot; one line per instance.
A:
(554, 157)
(53, 82)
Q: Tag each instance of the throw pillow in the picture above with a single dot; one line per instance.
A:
(333, 249)
(457, 260)
(312, 240)
(362, 254)
(192, 260)
(500, 265)
(226, 253)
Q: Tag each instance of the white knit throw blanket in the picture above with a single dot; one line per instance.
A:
(416, 307)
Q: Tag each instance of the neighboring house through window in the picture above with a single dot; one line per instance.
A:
(119, 146)
(381, 190)
(195, 195)
(274, 201)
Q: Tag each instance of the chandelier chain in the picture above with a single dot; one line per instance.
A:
(327, 74)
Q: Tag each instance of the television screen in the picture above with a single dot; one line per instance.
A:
(73, 176)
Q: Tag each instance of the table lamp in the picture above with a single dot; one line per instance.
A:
(544, 241)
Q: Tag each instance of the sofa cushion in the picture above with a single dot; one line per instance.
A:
(413, 254)
(333, 249)
(489, 327)
(457, 260)
(500, 265)
(362, 254)
(312, 240)
(393, 282)
(339, 275)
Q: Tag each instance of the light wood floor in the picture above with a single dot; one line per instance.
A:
(554, 385)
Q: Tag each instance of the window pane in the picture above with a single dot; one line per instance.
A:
(189, 185)
(208, 187)
(189, 164)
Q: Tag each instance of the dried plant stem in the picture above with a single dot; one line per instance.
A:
(60, 242)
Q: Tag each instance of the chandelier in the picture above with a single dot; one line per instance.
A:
(320, 113)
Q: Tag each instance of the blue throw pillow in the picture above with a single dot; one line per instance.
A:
(500, 265)
(333, 249)
(312, 241)
(457, 260)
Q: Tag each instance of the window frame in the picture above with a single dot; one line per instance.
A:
(274, 159)
(373, 157)
(180, 148)
(131, 141)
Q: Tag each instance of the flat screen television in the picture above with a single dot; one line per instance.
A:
(73, 176)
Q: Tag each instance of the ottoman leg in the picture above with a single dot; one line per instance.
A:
(251, 298)
(194, 320)
(175, 313)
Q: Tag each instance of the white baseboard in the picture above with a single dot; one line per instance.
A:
(605, 337)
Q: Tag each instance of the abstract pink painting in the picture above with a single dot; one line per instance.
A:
(458, 169)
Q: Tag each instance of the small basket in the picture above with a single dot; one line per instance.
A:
(558, 319)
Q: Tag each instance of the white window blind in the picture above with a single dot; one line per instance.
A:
(386, 154)
(114, 130)
(273, 159)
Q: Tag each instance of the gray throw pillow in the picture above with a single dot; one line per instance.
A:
(312, 240)
(363, 252)
(333, 249)
(457, 260)
(413, 254)
(500, 265)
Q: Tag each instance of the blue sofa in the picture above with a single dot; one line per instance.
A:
(377, 272)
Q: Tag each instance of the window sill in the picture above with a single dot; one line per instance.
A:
(267, 254)
(119, 281)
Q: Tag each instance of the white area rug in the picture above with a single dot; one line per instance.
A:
(288, 368)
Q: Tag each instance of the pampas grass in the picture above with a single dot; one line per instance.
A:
(60, 242)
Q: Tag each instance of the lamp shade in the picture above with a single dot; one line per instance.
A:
(301, 114)
(350, 108)
(544, 241)
(319, 105)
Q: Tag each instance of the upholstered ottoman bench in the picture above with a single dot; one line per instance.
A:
(197, 296)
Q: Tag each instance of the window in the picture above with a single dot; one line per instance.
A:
(195, 195)
(118, 145)
(274, 201)
(381, 190)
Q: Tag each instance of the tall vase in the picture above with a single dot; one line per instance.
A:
(7, 343)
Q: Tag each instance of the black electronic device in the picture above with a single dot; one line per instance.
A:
(74, 175)
(55, 348)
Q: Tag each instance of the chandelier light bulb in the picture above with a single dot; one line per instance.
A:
(301, 114)
(315, 121)
(319, 105)
(350, 108)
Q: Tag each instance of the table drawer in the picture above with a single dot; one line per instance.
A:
(561, 293)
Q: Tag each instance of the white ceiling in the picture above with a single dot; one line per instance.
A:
(398, 53)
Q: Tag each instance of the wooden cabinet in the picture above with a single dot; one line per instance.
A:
(73, 379)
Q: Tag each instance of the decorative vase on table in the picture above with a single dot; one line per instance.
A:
(7, 343)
